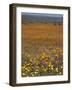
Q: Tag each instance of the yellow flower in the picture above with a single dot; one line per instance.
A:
(23, 74)
(61, 67)
(43, 55)
(44, 70)
(28, 55)
(34, 58)
(52, 67)
(60, 73)
(56, 69)
(49, 64)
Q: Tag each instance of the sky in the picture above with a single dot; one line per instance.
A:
(41, 17)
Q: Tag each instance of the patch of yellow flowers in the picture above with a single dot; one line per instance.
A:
(43, 65)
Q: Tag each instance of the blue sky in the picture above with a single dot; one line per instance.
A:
(42, 17)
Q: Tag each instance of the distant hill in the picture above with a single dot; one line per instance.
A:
(42, 18)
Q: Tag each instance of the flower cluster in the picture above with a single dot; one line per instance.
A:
(44, 64)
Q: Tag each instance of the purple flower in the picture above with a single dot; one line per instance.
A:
(33, 62)
(43, 62)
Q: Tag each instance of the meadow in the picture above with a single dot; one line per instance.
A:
(42, 49)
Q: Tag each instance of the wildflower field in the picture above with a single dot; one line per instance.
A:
(42, 50)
